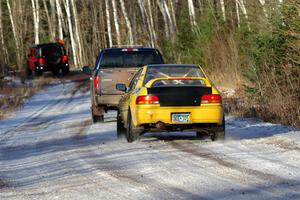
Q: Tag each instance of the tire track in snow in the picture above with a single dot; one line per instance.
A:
(226, 162)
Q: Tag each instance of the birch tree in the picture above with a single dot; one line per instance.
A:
(262, 2)
(116, 22)
(192, 12)
(108, 23)
(77, 34)
(14, 29)
(60, 18)
(36, 19)
(3, 47)
(70, 25)
(223, 9)
(128, 23)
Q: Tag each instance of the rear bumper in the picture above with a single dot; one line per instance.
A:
(205, 114)
(108, 100)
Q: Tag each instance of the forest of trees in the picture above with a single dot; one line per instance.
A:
(251, 45)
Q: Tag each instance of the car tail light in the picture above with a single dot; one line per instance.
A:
(211, 98)
(147, 99)
(65, 59)
(96, 80)
(41, 61)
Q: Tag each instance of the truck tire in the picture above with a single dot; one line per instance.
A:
(97, 114)
(121, 130)
(132, 132)
(65, 70)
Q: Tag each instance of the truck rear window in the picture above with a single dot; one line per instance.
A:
(129, 59)
(52, 50)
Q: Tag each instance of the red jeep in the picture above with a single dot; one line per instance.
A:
(47, 57)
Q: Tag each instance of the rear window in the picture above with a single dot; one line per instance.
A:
(52, 50)
(129, 59)
(174, 71)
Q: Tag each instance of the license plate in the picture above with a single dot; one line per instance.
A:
(180, 117)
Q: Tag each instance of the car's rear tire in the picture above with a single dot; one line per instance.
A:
(121, 130)
(132, 132)
(220, 134)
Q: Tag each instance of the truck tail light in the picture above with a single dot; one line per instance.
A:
(65, 59)
(96, 80)
(41, 61)
(147, 99)
(211, 98)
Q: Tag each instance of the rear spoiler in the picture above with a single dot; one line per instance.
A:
(151, 82)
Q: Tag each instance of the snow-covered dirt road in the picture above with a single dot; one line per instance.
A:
(51, 150)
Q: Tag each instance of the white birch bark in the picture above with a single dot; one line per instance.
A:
(152, 31)
(108, 23)
(173, 14)
(77, 34)
(15, 34)
(192, 13)
(237, 13)
(49, 20)
(146, 21)
(3, 48)
(244, 11)
(116, 22)
(128, 23)
(165, 5)
(70, 25)
(262, 2)
(36, 19)
(162, 10)
(59, 17)
(53, 19)
(223, 9)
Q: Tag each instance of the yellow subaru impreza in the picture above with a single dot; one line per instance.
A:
(170, 97)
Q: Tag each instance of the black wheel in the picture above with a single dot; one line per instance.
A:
(55, 72)
(65, 70)
(132, 132)
(38, 72)
(97, 118)
(220, 134)
(121, 130)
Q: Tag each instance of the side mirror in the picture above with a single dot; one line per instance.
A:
(121, 87)
(86, 70)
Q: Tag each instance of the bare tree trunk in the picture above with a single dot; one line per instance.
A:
(73, 43)
(165, 18)
(115, 13)
(152, 31)
(108, 23)
(262, 2)
(237, 13)
(128, 24)
(49, 20)
(36, 19)
(14, 29)
(53, 19)
(244, 11)
(223, 9)
(3, 47)
(77, 34)
(60, 17)
(192, 13)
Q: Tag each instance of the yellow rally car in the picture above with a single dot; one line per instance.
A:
(169, 97)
